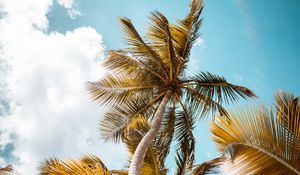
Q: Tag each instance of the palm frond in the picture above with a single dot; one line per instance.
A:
(116, 89)
(165, 136)
(136, 131)
(288, 111)
(124, 62)
(185, 155)
(256, 143)
(203, 104)
(186, 33)
(218, 88)
(208, 167)
(115, 122)
(139, 48)
(119, 172)
(162, 41)
(6, 170)
(89, 164)
(184, 126)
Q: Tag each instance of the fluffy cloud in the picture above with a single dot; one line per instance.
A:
(51, 113)
(71, 7)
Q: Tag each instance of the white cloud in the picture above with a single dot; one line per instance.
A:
(52, 114)
(71, 7)
(200, 43)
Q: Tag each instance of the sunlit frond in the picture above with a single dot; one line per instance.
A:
(256, 143)
(87, 165)
(162, 41)
(203, 104)
(7, 170)
(136, 131)
(208, 167)
(114, 124)
(140, 49)
(116, 89)
(186, 33)
(218, 89)
(124, 63)
(288, 111)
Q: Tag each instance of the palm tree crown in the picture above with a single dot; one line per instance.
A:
(151, 71)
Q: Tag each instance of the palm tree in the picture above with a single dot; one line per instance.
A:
(259, 140)
(148, 77)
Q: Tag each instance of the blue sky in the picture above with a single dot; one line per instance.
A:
(44, 51)
(255, 43)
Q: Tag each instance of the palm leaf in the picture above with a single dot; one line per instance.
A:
(203, 104)
(6, 170)
(184, 126)
(257, 143)
(165, 136)
(151, 164)
(288, 111)
(116, 121)
(123, 62)
(218, 89)
(89, 164)
(186, 33)
(208, 167)
(139, 48)
(162, 41)
(185, 156)
(116, 89)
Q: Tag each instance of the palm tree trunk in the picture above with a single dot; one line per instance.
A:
(141, 150)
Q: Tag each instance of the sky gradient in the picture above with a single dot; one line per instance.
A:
(49, 48)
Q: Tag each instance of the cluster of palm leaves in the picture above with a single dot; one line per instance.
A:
(152, 103)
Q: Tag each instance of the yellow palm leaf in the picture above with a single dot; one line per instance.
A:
(6, 170)
(256, 143)
(87, 165)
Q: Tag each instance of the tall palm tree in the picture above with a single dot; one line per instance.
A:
(148, 76)
(259, 140)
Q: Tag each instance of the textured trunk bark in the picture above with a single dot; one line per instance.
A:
(141, 150)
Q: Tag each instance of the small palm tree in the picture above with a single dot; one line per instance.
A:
(148, 77)
(260, 141)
